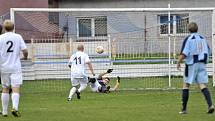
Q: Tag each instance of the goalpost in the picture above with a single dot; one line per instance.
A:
(140, 43)
(213, 45)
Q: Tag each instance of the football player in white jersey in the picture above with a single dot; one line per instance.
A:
(77, 63)
(11, 44)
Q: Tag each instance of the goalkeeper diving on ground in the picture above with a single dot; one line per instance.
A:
(101, 84)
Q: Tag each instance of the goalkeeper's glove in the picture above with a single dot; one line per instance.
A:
(92, 80)
(107, 90)
(118, 79)
(109, 70)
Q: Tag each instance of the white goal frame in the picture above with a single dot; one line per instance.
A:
(168, 10)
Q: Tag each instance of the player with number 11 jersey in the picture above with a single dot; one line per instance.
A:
(78, 62)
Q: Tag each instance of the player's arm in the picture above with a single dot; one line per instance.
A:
(180, 59)
(24, 49)
(116, 87)
(88, 62)
(184, 52)
(209, 50)
(102, 74)
(25, 54)
(91, 68)
(107, 72)
(70, 61)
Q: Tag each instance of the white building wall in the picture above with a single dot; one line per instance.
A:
(135, 3)
(128, 29)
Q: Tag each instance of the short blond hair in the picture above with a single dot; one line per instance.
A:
(8, 25)
(192, 27)
(80, 47)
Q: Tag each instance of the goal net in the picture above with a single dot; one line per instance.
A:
(141, 45)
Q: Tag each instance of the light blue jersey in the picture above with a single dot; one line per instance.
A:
(196, 51)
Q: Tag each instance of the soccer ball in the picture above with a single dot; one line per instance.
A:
(99, 49)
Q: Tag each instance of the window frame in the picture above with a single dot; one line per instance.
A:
(53, 17)
(93, 29)
(77, 25)
(174, 28)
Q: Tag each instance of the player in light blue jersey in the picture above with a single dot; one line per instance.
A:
(195, 51)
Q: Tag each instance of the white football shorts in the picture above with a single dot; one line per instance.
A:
(11, 79)
(77, 79)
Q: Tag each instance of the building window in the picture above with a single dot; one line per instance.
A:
(92, 27)
(178, 23)
(101, 26)
(164, 24)
(181, 23)
(85, 27)
(53, 16)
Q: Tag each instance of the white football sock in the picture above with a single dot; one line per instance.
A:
(72, 92)
(5, 101)
(82, 87)
(15, 100)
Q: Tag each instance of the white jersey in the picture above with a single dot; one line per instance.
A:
(78, 62)
(11, 45)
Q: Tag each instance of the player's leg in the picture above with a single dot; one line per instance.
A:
(98, 87)
(73, 90)
(94, 85)
(207, 96)
(83, 85)
(5, 93)
(15, 100)
(5, 100)
(188, 79)
(16, 82)
(184, 97)
(202, 80)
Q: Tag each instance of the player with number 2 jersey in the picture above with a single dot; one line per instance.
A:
(11, 44)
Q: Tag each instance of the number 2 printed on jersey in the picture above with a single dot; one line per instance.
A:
(10, 45)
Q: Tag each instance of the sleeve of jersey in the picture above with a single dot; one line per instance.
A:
(87, 59)
(70, 60)
(185, 47)
(23, 45)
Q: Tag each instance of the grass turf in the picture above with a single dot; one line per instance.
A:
(119, 106)
(147, 105)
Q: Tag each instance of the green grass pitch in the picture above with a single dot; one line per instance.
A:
(145, 105)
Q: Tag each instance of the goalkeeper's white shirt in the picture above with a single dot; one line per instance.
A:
(11, 45)
(78, 63)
